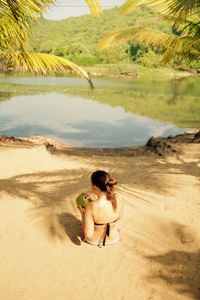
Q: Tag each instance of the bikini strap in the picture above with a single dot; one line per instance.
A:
(101, 224)
(107, 233)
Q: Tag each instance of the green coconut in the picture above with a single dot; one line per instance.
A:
(82, 200)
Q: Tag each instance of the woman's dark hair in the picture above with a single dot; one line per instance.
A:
(105, 183)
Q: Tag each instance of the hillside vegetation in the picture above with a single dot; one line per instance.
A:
(76, 38)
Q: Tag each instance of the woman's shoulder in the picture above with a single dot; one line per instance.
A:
(91, 206)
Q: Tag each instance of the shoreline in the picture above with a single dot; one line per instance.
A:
(126, 71)
(160, 146)
(134, 72)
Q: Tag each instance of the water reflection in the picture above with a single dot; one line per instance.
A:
(61, 81)
(187, 86)
(81, 122)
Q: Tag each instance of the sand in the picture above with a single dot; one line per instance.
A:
(41, 254)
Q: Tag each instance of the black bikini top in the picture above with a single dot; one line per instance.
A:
(107, 233)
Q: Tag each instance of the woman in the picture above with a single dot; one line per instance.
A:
(100, 218)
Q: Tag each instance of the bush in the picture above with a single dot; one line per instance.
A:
(149, 59)
(113, 55)
(136, 50)
(86, 60)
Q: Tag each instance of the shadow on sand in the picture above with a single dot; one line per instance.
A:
(72, 226)
(180, 270)
(53, 193)
(53, 197)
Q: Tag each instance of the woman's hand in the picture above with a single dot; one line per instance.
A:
(81, 209)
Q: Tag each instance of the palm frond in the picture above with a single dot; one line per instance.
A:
(28, 8)
(95, 7)
(184, 15)
(41, 63)
(12, 34)
(130, 5)
(170, 45)
(182, 50)
(177, 8)
(15, 17)
(13, 5)
(192, 28)
(150, 37)
(156, 5)
(182, 8)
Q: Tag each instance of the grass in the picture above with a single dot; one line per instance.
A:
(144, 73)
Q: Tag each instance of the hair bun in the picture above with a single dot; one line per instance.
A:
(111, 182)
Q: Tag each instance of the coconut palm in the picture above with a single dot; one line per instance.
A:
(15, 20)
(184, 14)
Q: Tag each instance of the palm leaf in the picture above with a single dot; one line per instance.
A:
(129, 6)
(177, 8)
(156, 5)
(95, 7)
(28, 8)
(182, 49)
(15, 19)
(12, 34)
(33, 8)
(192, 28)
(41, 63)
(182, 8)
(184, 14)
(169, 44)
(149, 37)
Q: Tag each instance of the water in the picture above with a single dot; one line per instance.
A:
(61, 81)
(77, 121)
(190, 86)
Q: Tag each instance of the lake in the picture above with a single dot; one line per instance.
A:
(64, 109)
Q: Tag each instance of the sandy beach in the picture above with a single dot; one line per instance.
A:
(42, 255)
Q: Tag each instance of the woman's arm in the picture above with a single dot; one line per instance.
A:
(88, 221)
